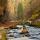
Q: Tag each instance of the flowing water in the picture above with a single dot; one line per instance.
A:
(34, 34)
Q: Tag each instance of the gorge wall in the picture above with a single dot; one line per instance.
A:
(31, 9)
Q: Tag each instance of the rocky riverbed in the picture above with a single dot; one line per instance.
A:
(34, 34)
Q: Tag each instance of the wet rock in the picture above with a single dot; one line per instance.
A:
(11, 36)
(24, 30)
(28, 35)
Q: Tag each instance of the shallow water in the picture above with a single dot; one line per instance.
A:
(33, 31)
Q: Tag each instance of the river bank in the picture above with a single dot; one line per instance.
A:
(34, 25)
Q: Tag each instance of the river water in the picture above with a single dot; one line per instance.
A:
(34, 34)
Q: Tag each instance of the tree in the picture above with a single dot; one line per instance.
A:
(20, 10)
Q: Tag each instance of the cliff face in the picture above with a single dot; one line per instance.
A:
(31, 9)
(3, 4)
(1, 10)
(3, 16)
(10, 8)
(35, 10)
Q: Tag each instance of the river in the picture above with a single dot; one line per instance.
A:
(33, 32)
